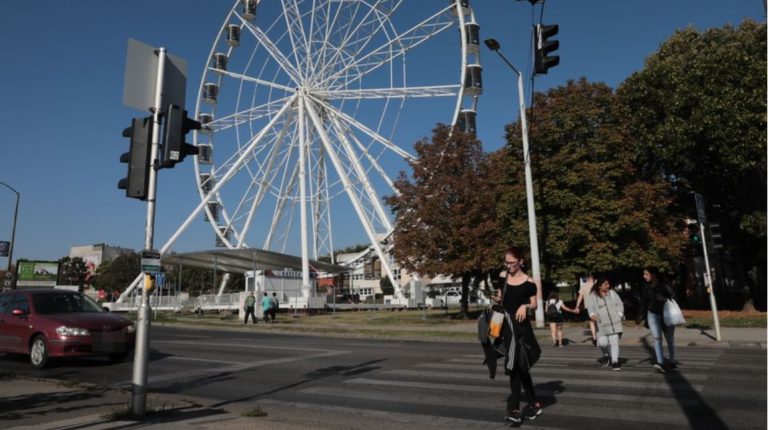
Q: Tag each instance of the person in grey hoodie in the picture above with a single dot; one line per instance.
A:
(607, 310)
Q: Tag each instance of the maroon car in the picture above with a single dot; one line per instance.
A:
(47, 323)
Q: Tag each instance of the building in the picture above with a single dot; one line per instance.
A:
(94, 255)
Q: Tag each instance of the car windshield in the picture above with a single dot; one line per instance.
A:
(63, 303)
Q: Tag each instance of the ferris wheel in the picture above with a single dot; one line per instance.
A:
(300, 102)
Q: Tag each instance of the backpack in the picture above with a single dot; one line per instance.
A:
(552, 311)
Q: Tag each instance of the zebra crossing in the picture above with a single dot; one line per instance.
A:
(456, 392)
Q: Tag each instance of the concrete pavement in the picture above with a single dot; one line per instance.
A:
(40, 404)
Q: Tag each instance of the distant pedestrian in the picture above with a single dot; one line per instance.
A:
(249, 308)
(607, 311)
(274, 305)
(555, 308)
(517, 297)
(654, 294)
(584, 296)
(266, 303)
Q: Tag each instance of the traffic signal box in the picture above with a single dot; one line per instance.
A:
(136, 183)
(176, 126)
(543, 47)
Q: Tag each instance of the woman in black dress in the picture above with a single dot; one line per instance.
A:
(517, 297)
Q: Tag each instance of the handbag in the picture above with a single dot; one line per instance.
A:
(673, 316)
(530, 351)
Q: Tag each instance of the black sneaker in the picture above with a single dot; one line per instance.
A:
(604, 361)
(532, 410)
(514, 417)
(659, 368)
(672, 365)
(616, 366)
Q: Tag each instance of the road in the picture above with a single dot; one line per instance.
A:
(422, 384)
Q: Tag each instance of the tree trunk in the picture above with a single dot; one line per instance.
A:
(465, 278)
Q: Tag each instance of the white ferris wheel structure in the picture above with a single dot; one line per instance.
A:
(299, 103)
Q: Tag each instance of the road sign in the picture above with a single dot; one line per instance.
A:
(160, 279)
(150, 261)
(141, 75)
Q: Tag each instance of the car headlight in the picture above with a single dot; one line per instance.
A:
(130, 328)
(72, 331)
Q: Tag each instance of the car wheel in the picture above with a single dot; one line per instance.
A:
(38, 352)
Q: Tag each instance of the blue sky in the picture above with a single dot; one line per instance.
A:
(63, 70)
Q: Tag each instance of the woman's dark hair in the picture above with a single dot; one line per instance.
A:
(553, 295)
(599, 280)
(653, 270)
(516, 252)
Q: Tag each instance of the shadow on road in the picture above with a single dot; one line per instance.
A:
(698, 413)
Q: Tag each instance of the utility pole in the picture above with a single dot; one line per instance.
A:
(13, 232)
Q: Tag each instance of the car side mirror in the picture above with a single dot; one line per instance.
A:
(18, 312)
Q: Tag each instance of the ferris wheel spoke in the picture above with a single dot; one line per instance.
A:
(372, 161)
(296, 34)
(394, 48)
(257, 81)
(283, 197)
(360, 173)
(274, 52)
(346, 43)
(382, 140)
(385, 93)
(252, 114)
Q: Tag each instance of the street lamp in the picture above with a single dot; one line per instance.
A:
(13, 233)
(494, 45)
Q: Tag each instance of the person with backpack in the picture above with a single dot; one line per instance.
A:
(607, 311)
(555, 308)
(274, 305)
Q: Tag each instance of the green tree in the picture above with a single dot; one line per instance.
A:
(697, 110)
(117, 275)
(444, 215)
(72, 271)
(593, 214)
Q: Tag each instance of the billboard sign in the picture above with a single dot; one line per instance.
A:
(4, 248)
(37, 274)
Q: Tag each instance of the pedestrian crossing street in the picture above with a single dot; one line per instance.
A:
(707, 391)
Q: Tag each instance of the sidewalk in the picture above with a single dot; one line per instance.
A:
(40, 404)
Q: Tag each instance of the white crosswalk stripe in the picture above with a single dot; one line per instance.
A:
(458, 392)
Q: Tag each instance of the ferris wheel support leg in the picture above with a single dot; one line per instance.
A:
(130, 288)
(353, 198)
(223, 285)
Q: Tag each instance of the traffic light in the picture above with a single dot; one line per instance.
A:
(715, 236)
(542, 47)
(175, 128)
(136, 184)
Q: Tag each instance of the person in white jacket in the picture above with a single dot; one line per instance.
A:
(607, 310)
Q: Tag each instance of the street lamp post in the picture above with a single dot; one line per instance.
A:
(494, 45)
(13, 233)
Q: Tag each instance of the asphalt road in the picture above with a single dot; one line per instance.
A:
(423, 382)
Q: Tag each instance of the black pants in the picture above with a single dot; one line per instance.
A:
(250, 311)
(516, 378)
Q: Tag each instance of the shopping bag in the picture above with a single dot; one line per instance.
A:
(673, 316)
(497, 321)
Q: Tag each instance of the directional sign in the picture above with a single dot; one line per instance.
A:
(160, 279)
(150, 261)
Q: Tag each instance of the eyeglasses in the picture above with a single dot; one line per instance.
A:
(512, 263)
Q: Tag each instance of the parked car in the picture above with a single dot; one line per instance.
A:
(46, 323)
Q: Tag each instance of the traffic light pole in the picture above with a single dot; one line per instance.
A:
(708, 283)
(140, 359)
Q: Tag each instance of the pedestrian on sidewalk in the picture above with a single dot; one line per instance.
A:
(266, 303)
(555, 308)
(654, 294)
(607, 311)
(274, 305)
(517, 297)
(585, 293)
(249, 308)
